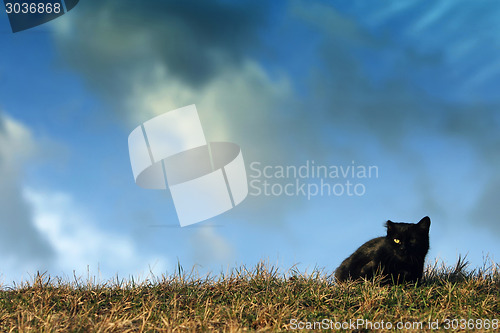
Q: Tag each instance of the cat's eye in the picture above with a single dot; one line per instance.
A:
(397, 241)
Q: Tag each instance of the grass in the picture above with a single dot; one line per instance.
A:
(260, 299)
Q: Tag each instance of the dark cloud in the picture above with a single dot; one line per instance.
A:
(111, 42)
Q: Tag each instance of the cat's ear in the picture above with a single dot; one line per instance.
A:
(425, 223)
(389, 224)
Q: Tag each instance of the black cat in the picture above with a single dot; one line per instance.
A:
(399, 256)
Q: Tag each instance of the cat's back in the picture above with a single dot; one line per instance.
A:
(360, 258)
(371, 247)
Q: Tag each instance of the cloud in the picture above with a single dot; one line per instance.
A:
(79, 243)
(145, 59)
(242, 105)
(190, 40)
(47, 230)
(133, 64)
(236, 105)
(148, 58)
(20, 240)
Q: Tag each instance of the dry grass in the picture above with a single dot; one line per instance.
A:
(260, 299)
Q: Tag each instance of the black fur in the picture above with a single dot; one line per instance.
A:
(399, 261)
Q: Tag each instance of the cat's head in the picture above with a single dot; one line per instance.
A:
(409, 238)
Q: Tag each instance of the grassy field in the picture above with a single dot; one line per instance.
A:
(260, 299)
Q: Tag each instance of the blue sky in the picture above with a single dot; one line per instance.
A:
(409, 87)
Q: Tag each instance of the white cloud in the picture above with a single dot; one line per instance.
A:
(49, 231)
(246, 94)
(16, 143)
(244, 105)
(80, 244)
(20, 241)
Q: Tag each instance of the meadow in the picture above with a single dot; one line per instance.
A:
(258, 299)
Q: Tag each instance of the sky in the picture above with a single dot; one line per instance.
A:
(408, 88)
